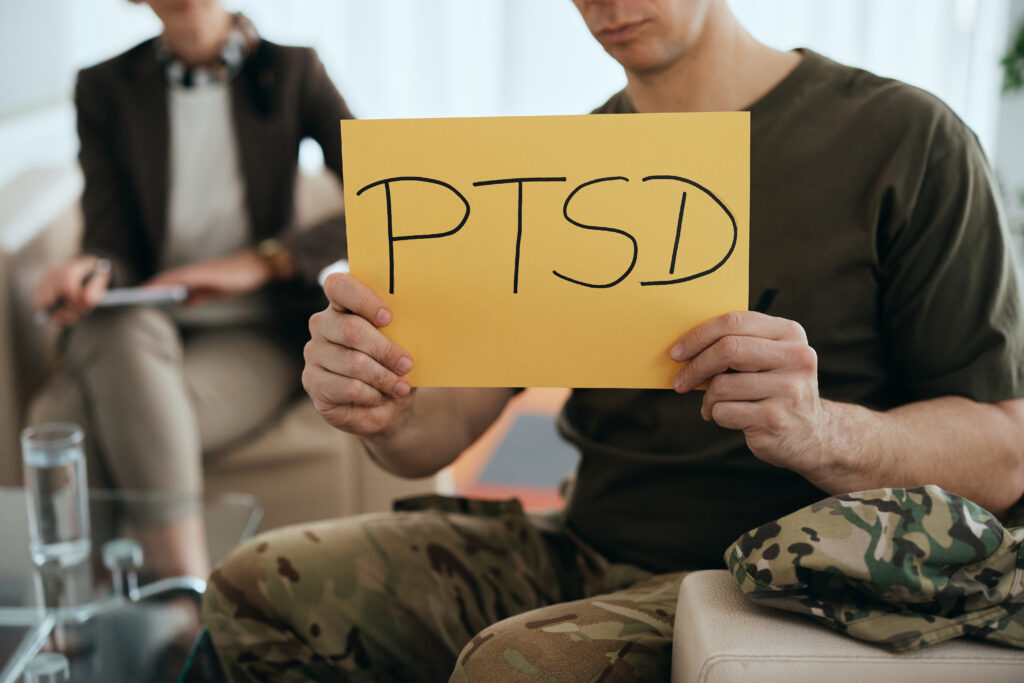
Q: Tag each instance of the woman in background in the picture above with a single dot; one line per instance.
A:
(189, 147)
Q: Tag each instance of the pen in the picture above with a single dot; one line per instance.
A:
(767, 297)
(101, 267)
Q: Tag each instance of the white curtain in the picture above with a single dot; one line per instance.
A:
(493, 57)
(948, 47)
(404, 58)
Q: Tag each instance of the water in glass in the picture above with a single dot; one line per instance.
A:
(55, 483)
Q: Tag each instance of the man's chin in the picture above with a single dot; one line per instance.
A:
(636, 58)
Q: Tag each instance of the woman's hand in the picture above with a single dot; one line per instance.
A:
(72, 289)
(233, 275)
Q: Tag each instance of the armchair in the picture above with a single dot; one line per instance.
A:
(298, 467)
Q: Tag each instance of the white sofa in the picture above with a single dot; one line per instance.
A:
(722, 637)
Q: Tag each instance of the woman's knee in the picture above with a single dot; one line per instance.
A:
(123, 333)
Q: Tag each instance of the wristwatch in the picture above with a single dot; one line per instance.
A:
(277, 257)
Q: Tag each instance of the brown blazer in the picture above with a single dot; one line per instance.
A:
(282, 95)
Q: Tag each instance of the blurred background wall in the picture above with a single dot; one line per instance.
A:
(404, 58)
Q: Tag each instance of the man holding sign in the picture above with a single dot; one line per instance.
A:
(892, 357)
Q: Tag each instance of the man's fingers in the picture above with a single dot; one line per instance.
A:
(786, 387)
(736, 323)
(739, 386)
(364, 337)
(346, 293)
(739, 415)
(353, 371)
(355, 332)
(356, 419)
(347, 403)
(761, 421)
(744, 354)
(350, 363)
(336, 390)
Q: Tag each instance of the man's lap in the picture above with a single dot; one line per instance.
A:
(398, 596)
(625, 635)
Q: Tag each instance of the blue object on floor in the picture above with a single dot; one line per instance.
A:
(532, 454)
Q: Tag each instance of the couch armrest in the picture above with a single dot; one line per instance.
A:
(722, 637)
(318, 196)
(40, 225)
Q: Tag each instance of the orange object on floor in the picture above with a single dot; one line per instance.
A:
(467, 470)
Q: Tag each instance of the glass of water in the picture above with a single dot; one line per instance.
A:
(55, 484)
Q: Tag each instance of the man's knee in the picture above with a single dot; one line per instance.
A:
(261, 607)
(316, 593)
(233, 594)
(274, 578)
(567, 644)
(358, 594)
(123, 333)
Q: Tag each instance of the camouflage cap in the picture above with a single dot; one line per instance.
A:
(903, 568)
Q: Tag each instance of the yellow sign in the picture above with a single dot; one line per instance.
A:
(567, 251)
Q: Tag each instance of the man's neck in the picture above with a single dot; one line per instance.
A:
(201, 42)
(725, 70)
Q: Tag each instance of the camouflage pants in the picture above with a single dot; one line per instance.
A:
(466, 590)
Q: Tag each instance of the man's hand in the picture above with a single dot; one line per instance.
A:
(762, 379)
(233, 275)
(353, 373)
(75, 286)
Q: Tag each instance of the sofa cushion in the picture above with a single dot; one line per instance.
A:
(721, 637)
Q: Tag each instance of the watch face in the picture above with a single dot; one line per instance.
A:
(275, 256)
(268, 248)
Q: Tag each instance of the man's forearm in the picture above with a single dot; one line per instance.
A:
(973, 449)
(441, 423)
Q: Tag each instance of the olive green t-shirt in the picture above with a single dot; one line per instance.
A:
(873, 213)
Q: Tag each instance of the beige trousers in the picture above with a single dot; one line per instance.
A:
(155, 400)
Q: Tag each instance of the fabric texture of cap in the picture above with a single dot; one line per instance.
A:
(902, 568)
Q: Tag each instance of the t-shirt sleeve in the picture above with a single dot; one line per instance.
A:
(950, 292)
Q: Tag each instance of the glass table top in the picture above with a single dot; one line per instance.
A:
(115, 622)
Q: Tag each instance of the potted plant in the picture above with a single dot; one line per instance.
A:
(1013, 63)
(1013, 82)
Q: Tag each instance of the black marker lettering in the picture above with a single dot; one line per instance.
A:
(679, 230)
(386, 182)
(565, 212)
(735, 232)
(519, 219)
